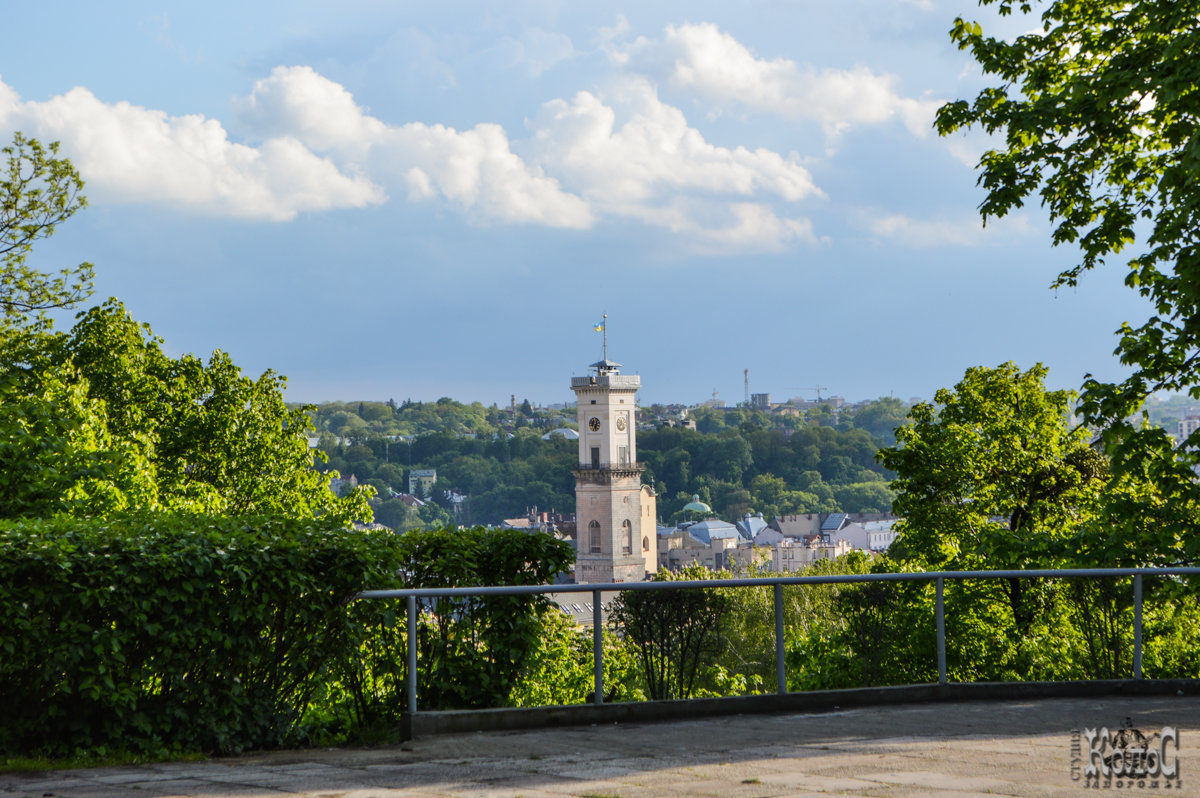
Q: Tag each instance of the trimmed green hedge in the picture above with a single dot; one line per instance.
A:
(154, 633)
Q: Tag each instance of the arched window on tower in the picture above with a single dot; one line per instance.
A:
(594, 537)
(645, 544)
(626, 537)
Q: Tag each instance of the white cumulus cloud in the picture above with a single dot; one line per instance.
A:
(717, 67)
(474, 170)
(128, 153)
(299, 102)
(9, 101)
(631, 155)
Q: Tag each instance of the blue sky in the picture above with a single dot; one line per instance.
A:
(417, 200)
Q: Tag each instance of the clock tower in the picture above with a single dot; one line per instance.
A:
(616, 537)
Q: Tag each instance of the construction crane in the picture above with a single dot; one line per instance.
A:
(819, 389)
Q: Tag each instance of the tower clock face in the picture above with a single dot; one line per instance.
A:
(594, 424)
(621, 424)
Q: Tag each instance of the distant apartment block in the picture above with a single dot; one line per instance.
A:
(420, 481)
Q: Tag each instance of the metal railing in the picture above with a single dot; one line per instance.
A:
(777, 583)
(609, 380)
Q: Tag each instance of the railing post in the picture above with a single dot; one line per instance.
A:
(412, 655)
(598, 647)
(1137, 626)
(941, 631)
(780, 674)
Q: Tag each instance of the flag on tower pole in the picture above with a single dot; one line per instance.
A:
(602, 327)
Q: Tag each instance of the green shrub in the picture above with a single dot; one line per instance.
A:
(472, 651)
(161, 632)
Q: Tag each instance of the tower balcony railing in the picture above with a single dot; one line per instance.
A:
(626, 466)
(418, 600)
(608, 381)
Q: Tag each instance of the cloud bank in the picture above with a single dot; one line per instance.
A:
(611, 154)
(598, 157)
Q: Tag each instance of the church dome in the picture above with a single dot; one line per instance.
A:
(696, 506)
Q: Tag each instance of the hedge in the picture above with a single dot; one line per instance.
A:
(161, 633)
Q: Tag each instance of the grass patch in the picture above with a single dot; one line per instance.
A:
(36, 764)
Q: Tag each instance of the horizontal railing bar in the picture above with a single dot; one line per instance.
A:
(914, 576)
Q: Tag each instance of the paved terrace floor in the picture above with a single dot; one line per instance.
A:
(942, 749)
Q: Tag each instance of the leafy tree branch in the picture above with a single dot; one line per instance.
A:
(38, 190)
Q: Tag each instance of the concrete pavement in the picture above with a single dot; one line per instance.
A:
(1021, 748)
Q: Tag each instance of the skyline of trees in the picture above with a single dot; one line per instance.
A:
(737, 460)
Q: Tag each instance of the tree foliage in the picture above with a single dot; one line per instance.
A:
(1097, 111)
(100, 420)
(752, 466)
(992, 477)
(991, 474)
(674, 632)
(474, 651)
(38, 190)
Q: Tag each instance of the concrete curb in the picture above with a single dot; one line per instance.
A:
(426, 724)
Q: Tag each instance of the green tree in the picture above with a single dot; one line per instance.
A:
(674, 632)
(993, 477)
(1097, 114)
(767, 489)
(991, 470)
(38, 190)
(58, 453)
(882, 417)
(475, 650)
(395, 514)
(561, 668)
(154, 432)
(864, 497)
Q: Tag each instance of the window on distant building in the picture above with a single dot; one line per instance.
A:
(626, 537)
(594, 536)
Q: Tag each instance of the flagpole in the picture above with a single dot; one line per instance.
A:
(604, 324)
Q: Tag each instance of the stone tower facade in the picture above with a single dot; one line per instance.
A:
(615, 515)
